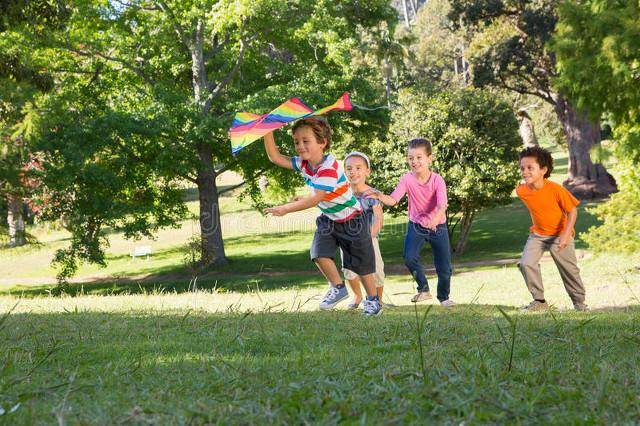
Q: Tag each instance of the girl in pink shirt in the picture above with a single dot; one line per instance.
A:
(427, 194)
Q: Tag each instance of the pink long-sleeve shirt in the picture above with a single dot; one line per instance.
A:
(424, 198)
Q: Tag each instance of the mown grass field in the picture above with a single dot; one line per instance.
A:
(145, 342)
(184, 366)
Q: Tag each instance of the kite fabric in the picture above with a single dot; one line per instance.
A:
(248, 127)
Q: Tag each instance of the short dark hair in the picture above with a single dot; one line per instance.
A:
(542, 156)
(420, 143)
(320, 127)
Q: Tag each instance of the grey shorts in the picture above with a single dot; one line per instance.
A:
(352, 236)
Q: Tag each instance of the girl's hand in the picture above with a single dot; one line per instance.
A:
(432, 224)
(276, 211)
(372, 193)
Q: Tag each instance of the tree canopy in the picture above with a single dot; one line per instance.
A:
(157, 83)
(599, 63)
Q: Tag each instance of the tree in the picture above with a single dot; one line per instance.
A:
(510, 50)
(20, 84)
(440, 48)
(475, 142)
(186, 67)
(597, 48)
(527, 130)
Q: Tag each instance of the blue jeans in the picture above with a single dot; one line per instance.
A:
(416, 236)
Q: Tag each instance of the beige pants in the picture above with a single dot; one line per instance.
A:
(379, 274)
(564, 259)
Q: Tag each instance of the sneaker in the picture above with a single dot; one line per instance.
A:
(447, 303)
(334, 296)
(371, 308)
(535, 306)
(353, 306)
(582, 307)
(423, 295)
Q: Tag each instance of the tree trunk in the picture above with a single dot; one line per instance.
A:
(414, 9)
(465, 229)
(388, 72)
(16, 221)
(527, 131)
(212, 253)
(210, 227)
(406, 13)
(586, 180)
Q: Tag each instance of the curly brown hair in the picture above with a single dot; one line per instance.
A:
(542, 156)
(320, 127)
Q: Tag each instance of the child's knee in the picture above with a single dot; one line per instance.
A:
(411, 261)
(527, 264)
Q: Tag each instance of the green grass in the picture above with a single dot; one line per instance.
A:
(261, 367)
(255, 350)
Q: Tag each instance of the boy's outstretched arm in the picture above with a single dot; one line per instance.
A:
(566, 234)
(295, 206)
(274, 153)
(385, 199)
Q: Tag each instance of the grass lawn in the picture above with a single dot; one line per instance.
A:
(266, 356)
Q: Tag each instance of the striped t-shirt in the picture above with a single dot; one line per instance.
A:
(339, 204)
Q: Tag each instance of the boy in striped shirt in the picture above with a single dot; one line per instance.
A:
(341, 222)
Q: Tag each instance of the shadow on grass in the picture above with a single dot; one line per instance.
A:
(281, 260)
(561, 166)
(161, 285)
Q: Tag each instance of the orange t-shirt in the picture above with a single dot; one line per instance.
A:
(548, 207)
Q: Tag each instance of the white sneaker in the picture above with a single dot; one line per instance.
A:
(447, 303)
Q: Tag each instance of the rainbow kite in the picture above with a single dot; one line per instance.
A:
(248, 127)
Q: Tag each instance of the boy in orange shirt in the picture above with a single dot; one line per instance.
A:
(553, 212)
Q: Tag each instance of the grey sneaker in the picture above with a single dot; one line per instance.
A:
(582, 307)
(371, 308)
(423, 295)
(334, 296)
(447, 303)
(535, 306)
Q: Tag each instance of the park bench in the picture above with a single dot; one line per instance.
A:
(141, 251)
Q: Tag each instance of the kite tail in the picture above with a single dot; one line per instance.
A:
(369, 109)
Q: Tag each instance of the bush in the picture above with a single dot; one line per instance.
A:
(475, 139)
(620, 216)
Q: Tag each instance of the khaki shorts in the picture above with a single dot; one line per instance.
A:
(379, 274)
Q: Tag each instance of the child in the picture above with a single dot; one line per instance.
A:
(553, 213)
(342, 222)
(358, 168)
(427, 220)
